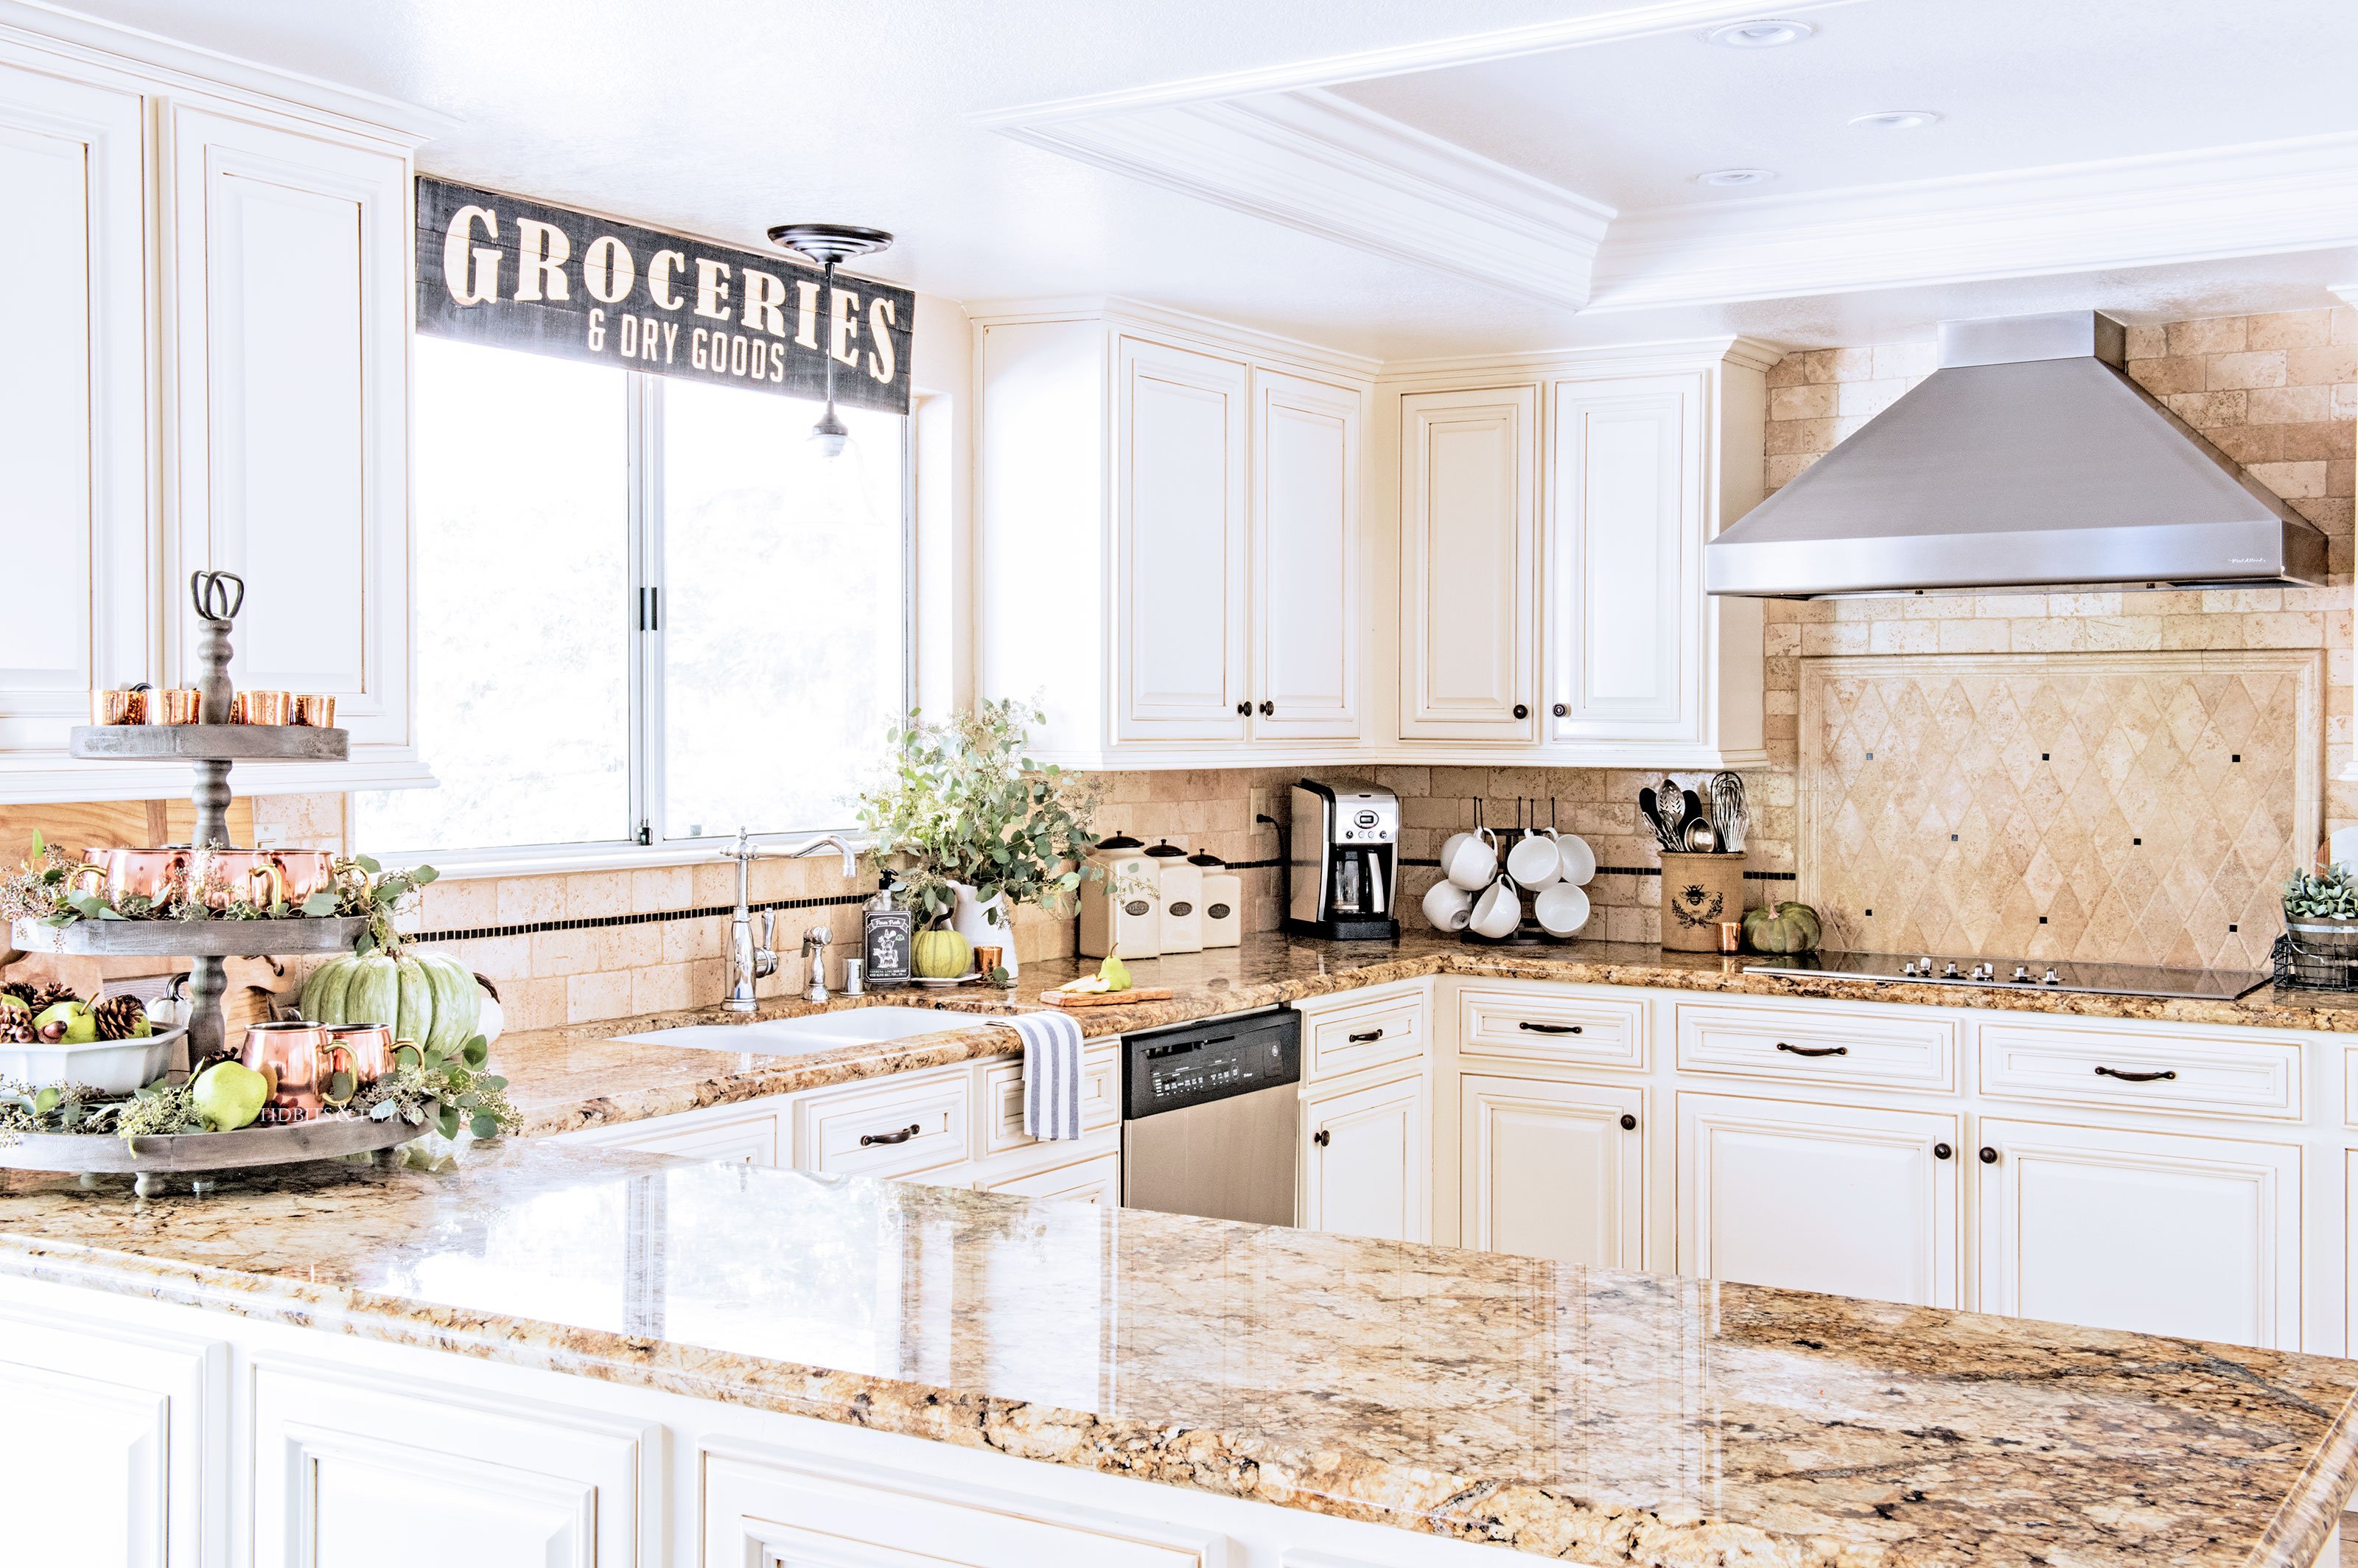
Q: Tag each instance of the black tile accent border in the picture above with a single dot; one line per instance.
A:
(649, 917)
(1647, 872)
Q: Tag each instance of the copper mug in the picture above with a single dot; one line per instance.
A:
(298, 1060)
(275, 707)
(372, 1046)
(265, 877)
(315, 712)
(180, 705)
(155, 875)
(127, 705)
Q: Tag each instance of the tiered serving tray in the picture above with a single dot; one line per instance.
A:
(213, 747)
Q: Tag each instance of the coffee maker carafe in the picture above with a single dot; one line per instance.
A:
(1344, 866)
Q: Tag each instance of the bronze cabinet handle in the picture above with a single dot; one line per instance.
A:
(868, 1139)
(1529, 1027)
(1941, 1151)
(1363, 1037)
(1814, 1049)
(1320, 1138)
(1989, 1155)
(1628, 1122)
(2135, 1077)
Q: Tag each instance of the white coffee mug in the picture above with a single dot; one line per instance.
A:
(1498, 911)
(1578, 861)
(1470, 860)
(1448, 906)
(1562, 908)
(1534, 860)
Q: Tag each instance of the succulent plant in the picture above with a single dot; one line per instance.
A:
(2331, 896)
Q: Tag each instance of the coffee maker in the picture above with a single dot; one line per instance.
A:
(1343, 871)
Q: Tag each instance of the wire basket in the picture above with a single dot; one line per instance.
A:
(2331, 965)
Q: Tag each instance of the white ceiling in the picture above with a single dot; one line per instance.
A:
(725, 116)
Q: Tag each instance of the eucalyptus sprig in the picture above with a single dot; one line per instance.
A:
(445, 1086)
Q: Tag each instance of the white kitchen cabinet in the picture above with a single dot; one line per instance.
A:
(1851, 1200)
(1553, 1170)
(1307, 642)
(2159, 1232)
(1468, 541)
(1096, 1179)
(292, 266)
(744, 1134)
(1365, 1166)
(1181, 556)
(73, 417)
(1190, 509)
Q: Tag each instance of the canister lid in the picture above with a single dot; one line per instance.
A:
(1205, 858)
(1121, 840)
(1166, 850)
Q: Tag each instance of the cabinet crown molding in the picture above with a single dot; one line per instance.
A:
(1189, 330)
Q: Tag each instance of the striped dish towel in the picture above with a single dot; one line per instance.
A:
(1052, 1073)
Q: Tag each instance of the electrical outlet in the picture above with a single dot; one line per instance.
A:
(1260, 807)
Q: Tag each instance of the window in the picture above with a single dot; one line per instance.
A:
(648, 610)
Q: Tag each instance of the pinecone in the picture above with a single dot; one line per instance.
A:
(23, 991)
(118, 1017)
(42, 997)
(16, 1028)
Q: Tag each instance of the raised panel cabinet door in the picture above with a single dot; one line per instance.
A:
(2161, 1233)
(1468, 668)
(1183, 519)
(1553, 1170)
(73, 422)
(1625, 556)
(1364, 1163)
(482, 1482)
(1305, 588)
(290, 263)
(1849, 1200)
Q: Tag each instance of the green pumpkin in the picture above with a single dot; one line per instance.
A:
(941, 955)
(425, 997)
(1786, 928)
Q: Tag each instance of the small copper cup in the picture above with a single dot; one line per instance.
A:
(237, 707)
(297, 1059)
(315, 712)
(180, 705)
(127, 706)
(986, 959)
(267, 707)
(1731, 936)
(371, 1045)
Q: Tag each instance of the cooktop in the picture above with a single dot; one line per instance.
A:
(2025, 974)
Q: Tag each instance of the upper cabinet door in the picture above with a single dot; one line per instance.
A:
(1183, 533)
(73, 432)
(1305, 589)
(1625, 557)
(292, 263)
(1467, 666)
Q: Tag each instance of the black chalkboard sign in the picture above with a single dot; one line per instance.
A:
(525, 274)
(889, 936)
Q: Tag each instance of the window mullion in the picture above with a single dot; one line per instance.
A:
(646, 717)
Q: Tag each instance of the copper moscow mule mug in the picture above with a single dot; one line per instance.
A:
(297, 1059)
(152, 874)
(371, 1045)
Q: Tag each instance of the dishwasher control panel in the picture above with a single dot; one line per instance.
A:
(1213, 1059)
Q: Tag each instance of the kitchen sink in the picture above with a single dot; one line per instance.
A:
(819, 1031)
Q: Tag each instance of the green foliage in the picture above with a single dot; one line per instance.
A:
(2332, 896)
(445, 1088)
(40, 890)
(964, 804)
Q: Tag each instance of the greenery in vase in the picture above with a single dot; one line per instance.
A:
(2331, 896)
(962, 802)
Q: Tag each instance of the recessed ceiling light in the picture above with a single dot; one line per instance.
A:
(1896, 119)
(1761, 33)
(1736, 177)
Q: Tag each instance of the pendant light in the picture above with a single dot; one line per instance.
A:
(827, 243)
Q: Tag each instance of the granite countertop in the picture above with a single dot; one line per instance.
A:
(1575, 1413)
(582, 1076)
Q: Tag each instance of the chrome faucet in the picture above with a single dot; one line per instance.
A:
(815, 943)
(747, 961)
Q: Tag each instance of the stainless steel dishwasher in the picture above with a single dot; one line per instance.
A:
(1210, 1117)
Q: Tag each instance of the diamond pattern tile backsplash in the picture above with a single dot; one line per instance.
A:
(2136, 807)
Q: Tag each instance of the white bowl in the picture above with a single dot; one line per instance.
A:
(1534, 860)
(111, 1066)
(1561, 908)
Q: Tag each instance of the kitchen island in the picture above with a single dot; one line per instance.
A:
(607, 1355)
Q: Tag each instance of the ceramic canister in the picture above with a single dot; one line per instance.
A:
(1121, 905)
(1699, 892)
(1224, 897)
(1183, 899)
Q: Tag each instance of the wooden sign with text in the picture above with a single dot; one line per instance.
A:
(525, 274)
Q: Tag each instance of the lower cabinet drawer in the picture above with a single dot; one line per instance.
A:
(743, 1133)
(1551, 1026)
(1002, 1098)
(1370, 1034)
(2143, 1069)
(1095, 1179)
(1806, 1046)
(891, 1128)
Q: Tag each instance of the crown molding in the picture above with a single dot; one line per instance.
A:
(1320, 163)
(53, 29)
(2212, 204)
(1738, 351)
(1120, 310)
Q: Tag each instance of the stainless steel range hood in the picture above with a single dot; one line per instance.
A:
(2028, 459)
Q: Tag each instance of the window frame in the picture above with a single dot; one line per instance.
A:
(641, 840)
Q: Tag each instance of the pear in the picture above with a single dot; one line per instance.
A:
(1115, 973)
(229, 1095)
(77, 1025)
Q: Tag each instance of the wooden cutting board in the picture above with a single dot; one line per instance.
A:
(1106, 998)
